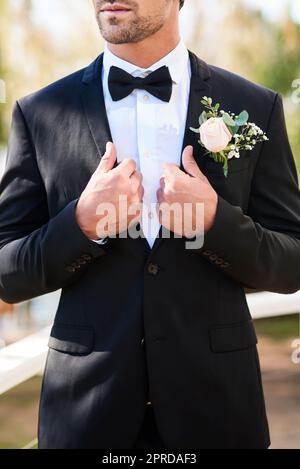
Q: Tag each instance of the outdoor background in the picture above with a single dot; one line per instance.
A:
(43, 40)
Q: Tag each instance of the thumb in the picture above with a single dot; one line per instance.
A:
(108, 159)
(189, 163)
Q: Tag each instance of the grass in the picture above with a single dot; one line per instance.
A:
(18, 415)
(278, 328)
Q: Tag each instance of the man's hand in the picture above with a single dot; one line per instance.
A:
(105, 187)
(190, 187)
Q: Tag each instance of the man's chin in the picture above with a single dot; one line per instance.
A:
(116, 39)
(116, 34)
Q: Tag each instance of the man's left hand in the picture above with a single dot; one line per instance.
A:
(190, 187)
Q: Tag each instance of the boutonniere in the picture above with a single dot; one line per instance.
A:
(224, 134)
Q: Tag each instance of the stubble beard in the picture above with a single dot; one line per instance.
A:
(117, 31)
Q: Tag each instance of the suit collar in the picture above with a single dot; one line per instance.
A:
(176, 61)
(199, 69)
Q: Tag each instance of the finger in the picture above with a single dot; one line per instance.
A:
(136, 178)
(160, 196)
(108, 160)
(141, 192)
(127, 167)
(136, 181)
(171, 170)
(162, 183)
(189, 164)
(138, 195)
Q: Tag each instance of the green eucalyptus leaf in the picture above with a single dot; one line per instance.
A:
(202, 118)
(197, 131)
(234, 130)
(242, 119)
(228, 120)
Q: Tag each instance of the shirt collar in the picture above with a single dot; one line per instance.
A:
(176, 61)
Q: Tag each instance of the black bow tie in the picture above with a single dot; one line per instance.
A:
(157, 83)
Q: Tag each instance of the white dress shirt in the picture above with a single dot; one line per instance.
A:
(147, 129)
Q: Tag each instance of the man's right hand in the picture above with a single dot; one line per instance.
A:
(106, 185)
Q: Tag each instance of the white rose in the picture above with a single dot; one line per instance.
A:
(215, 135)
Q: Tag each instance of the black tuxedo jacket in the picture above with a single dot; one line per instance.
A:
(168, 324)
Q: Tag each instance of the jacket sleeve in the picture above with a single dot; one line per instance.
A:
(37, 254)
(261, 248)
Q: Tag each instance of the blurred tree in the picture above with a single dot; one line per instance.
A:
(234, 37)
(228, 34)
(33, 56)
(3, 12)
(281, 69)
(283, 64)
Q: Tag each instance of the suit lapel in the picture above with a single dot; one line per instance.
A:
(94, 105)
(200, 87)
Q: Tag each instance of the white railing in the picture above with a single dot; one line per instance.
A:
(26, 358)
(23, 360)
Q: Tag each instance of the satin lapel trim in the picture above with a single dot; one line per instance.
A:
(94, 105)
(200, 87)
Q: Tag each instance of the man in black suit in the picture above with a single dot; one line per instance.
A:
(152, 345)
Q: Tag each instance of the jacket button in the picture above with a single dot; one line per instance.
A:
(86, 257)
(70, 269)
(207, 252)
(225, 265)
(143, 342)
(82, 261)
(219, 261)
(153, 269)
(213, 258)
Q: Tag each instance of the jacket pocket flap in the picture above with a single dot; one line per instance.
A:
(72, 339)
(228, 338)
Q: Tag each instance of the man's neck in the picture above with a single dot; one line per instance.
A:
(145, 53)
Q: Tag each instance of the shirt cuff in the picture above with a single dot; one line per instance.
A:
(100, 241)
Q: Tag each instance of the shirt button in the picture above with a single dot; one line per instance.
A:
(151, 215)
(145, 98)
(147, 154)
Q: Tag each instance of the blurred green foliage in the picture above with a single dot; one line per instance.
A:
(278, 328)
(283, 65)
(3, 6)
(279, 72)
(243, 41)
